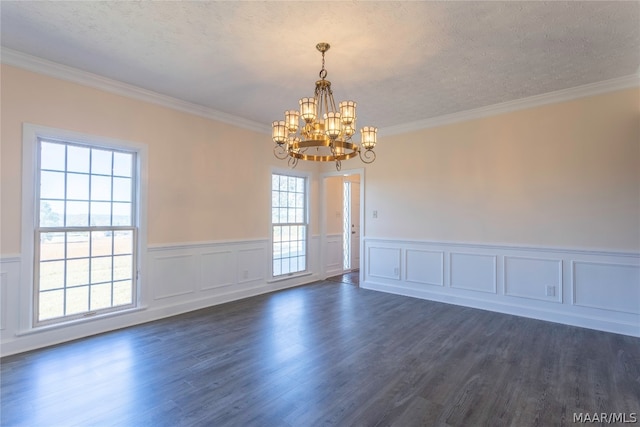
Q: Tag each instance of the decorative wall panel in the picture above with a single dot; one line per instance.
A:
(13, 295)
(425, 267)
(384, 263)
(216, 269)
(607, 286)
(533, 278)
(174, 275)
(252, 265)
(334, 255)
(3, 298)
(473, 272)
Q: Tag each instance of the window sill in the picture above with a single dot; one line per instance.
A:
(289, 277)
(62, 325)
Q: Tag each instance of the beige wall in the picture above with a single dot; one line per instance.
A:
(207, 180)
(562, 175)
(565, 175)
(334, 206)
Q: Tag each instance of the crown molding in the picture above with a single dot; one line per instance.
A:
(53, 69)
(519, 104)
(63, 72)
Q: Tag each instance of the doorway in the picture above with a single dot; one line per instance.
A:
(342, 222)
(351, 226)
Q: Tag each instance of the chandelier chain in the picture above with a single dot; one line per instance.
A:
(323, 72)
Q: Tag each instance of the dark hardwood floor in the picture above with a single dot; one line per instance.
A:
(328, 353)
(350, 278)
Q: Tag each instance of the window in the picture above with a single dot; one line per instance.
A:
(346, 225)
(289, 224)
(86, 230)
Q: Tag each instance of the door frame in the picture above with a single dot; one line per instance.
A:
(323, 217)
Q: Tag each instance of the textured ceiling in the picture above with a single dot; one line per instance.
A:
(402, 61)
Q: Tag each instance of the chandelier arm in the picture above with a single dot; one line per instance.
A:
(320, 105)
(325, 101)
(323, 106)
(306, 131)
(293, 162)
(280, 152)
(368, 156)
(333, 102)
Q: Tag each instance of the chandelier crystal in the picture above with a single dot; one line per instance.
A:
(326, 132)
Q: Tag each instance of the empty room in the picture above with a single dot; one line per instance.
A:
(349, 213)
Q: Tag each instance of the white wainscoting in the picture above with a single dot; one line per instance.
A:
(4, 278)
(523, 277)
(474, 272)
(9, 294)
(214, 271)
(204, 271)
(602, 288)
(606, 286)
(383, 263)
(425, 267)
(334, 254)
(177, 279)
(173, 275)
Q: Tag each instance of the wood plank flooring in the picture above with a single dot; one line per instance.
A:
(351, 278)
(326, 354)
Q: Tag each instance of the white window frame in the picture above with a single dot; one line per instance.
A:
(298, 174)
(31, 134)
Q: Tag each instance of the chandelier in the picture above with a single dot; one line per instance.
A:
(327, 130)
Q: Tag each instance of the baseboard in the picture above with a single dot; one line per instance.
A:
(597, 323)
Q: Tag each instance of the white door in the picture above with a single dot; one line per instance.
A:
(355, 225)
